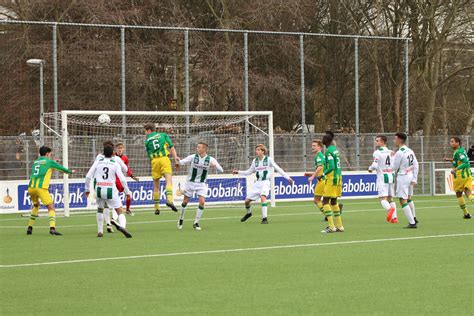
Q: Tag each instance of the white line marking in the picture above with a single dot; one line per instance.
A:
(174, 254)
(215, 218)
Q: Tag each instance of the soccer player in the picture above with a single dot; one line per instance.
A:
(200, 163)
(263, 167)
(158, 147)
(332, 177)
(38, 188)
(405, 165)
(461, 171)
(119, 148)
(385, 177)
(104, 172)
(319, 162)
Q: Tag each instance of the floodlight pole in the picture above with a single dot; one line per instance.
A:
(40, 63)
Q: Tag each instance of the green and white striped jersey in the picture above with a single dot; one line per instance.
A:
(199, 167)
(263, 169)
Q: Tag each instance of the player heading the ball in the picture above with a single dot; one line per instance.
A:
(158, 147)
(199, 165)
(263, 167)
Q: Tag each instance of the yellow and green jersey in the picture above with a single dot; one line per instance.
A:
(461, 163)
(42, 170)
(332, 168)
(319, 160)
(157, 145)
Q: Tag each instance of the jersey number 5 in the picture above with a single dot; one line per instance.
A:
(37, 170)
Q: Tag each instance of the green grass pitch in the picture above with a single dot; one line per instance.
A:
(285, 268)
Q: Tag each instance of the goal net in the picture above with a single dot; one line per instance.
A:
(77, 138)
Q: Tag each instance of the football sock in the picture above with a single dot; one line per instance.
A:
(328, 214)
(34, 215)
(385, 204)
(156, 200)
(470, 197)
(100, 220)
(394, 205)
(462, 205)
(183, 210)
(114, 213)
(169, 193)
(106, 213)
(247, 208)
(408, 213)
(320, 206)
(122, 220)
(199, 212)
(412, 207)
(52, 218)
(264, 210)
(337, 215)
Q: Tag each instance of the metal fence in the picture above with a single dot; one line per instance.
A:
(305, 78)
(19, 153)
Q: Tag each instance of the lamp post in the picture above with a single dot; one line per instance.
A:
(40, 63)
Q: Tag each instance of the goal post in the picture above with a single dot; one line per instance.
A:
(231, 136)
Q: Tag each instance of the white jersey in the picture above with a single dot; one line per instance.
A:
(405, 163)
(382, 165)
(199, 167)
(263, 169)
(104, 171)
(122, 164)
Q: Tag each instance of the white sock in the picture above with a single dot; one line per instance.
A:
(394, 205)
(199, 212)
(114, 214)
(122, 220)
(412, 207)
(181, 213)
(248, 209)
(100, 222)
(408, 214)
(107, 216)
(385, 204)
(264, 210)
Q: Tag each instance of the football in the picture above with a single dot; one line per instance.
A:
(104, 119)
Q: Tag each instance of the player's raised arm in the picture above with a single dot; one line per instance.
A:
(59, 167)
(279, 170)
(216, 164)
(247, 172)
(186, 160)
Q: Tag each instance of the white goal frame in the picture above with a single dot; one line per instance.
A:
(65, 140)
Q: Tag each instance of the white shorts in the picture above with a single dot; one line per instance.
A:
(259, 188)
(404, 186)
(385, 189)
(114, 202)
(198, 188)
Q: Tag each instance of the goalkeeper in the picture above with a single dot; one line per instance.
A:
(158, 147)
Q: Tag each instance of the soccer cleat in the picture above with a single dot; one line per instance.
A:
(99, 235)
(466, 216)
(121, 229)
(171, 206)
(129, 212)
(109, 228)
(29, 230)
(410, 226)
(390, 214)
(340, 208)
(340, 229)
(264, 220)
(157, 212)
(196, 226)
(329, 230)
(246, 217)
(416, 221)
(180, 223)
(53, 231)
(394, 220)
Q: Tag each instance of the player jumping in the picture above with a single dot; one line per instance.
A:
(263, 167)
(119, 148)
(385, 177)
(461, 171)
(105, 171)
(405, 165)
(158, 147)
(332, 177)
(200, 163)
(38, 188)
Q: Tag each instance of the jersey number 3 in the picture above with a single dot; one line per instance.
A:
(105, 176)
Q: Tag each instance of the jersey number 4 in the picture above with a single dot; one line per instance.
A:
(387, 161)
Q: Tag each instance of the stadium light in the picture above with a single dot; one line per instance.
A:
(35, 63)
